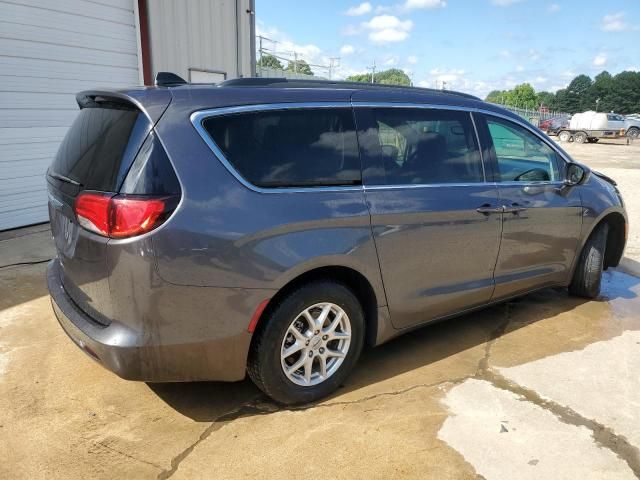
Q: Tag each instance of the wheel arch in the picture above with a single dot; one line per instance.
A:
(616, 238)
(357, 282)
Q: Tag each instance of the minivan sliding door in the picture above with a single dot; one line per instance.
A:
(436, 222)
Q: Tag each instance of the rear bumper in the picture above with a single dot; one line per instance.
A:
(143, 356)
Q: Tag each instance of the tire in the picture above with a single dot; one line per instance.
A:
(564, 136)
(633, 132)
(595, 140)
(588, 274)
(579, 137)
(267, 360)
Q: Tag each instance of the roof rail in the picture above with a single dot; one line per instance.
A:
(315, 83)
(168, 79)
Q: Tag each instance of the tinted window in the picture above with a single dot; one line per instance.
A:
(288, 148)
(421, 146)
(100, 147)
(521, 155)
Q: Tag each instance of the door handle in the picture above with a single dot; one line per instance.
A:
(514, 208)
(487, 209)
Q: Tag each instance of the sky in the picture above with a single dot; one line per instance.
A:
(473, 46)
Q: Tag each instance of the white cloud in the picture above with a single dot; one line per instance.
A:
(505, 53)
(417, 4)
(615, 22)
(519, 68)
(534, 55)
(553, 8)
(504, 3)
(632, 69)
(412, 59)
(387, 29)
(362, 9)
(600, 60)
(347, 50)
(390, 61)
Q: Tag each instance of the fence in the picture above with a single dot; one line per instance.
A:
(277, 73)
(534, 116)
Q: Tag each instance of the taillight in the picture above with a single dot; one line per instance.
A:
(122, 216)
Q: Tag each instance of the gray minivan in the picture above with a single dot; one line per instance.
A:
(276, 227)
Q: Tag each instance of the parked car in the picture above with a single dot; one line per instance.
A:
(276, 227)
(632, 126)
(552, 126)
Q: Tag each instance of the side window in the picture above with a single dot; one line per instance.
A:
(290, 148)
(521, 155)
(424, 146)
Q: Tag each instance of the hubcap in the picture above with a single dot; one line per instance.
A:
(316, 344)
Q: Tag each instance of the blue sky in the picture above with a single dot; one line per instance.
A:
(473, 45)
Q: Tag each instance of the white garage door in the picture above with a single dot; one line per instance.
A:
(50, 50)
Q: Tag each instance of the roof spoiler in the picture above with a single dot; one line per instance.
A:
(168, 79)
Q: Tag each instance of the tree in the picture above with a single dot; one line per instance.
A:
(393, 76)
(269, 61)
(523, 96)
(299, 66)
(496, 96)
(546, 99)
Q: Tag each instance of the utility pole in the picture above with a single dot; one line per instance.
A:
(444, 85)
(373, 71)
(295, 62)
(260, 50)
(333, 62)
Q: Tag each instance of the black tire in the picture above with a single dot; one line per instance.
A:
(264, 363)
(588, 274)
(579, 137)
(564, 136)
(633, 132)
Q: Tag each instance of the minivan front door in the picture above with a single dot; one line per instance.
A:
(435, 220)
(542, 219)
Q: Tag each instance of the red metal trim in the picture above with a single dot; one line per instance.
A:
(257, 314)
(145, 47)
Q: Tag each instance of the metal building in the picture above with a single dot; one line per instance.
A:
(51, 50)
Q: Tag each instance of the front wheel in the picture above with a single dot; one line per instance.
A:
(309, 343)
(580, 137)
(588, 274)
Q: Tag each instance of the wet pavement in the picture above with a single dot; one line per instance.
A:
(545, 386)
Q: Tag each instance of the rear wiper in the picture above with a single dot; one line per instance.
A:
(62, 178)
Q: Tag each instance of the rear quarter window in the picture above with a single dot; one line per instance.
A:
(290, 148)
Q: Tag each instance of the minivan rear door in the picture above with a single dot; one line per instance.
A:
(436, 221)
(95, 156)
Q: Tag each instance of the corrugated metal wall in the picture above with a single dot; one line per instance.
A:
(50, 50)
(206, 35)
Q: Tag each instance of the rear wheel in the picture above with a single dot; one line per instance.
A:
(633, 132)
(564, 136)
(580, 137)
(588, 274)
(309, 343)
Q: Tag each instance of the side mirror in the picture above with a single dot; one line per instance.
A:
(574, 175)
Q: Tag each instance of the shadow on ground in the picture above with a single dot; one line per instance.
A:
(420, 348)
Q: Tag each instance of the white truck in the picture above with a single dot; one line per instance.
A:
(592, 126)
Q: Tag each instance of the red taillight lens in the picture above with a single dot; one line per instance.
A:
(118, 216)
(92, 210)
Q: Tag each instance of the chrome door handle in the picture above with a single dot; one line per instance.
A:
(487, 209)
(515, 209)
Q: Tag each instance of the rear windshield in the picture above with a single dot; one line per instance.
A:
(289, 148)
(100, 147)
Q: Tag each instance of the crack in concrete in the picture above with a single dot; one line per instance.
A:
(499, 331)
(602, 435)
(215, 425)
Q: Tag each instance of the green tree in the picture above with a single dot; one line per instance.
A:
(299, 66)
(393, 76)
(546, 99)
(523, 96)
(270, 61)
(625, 94)
(497, 96)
